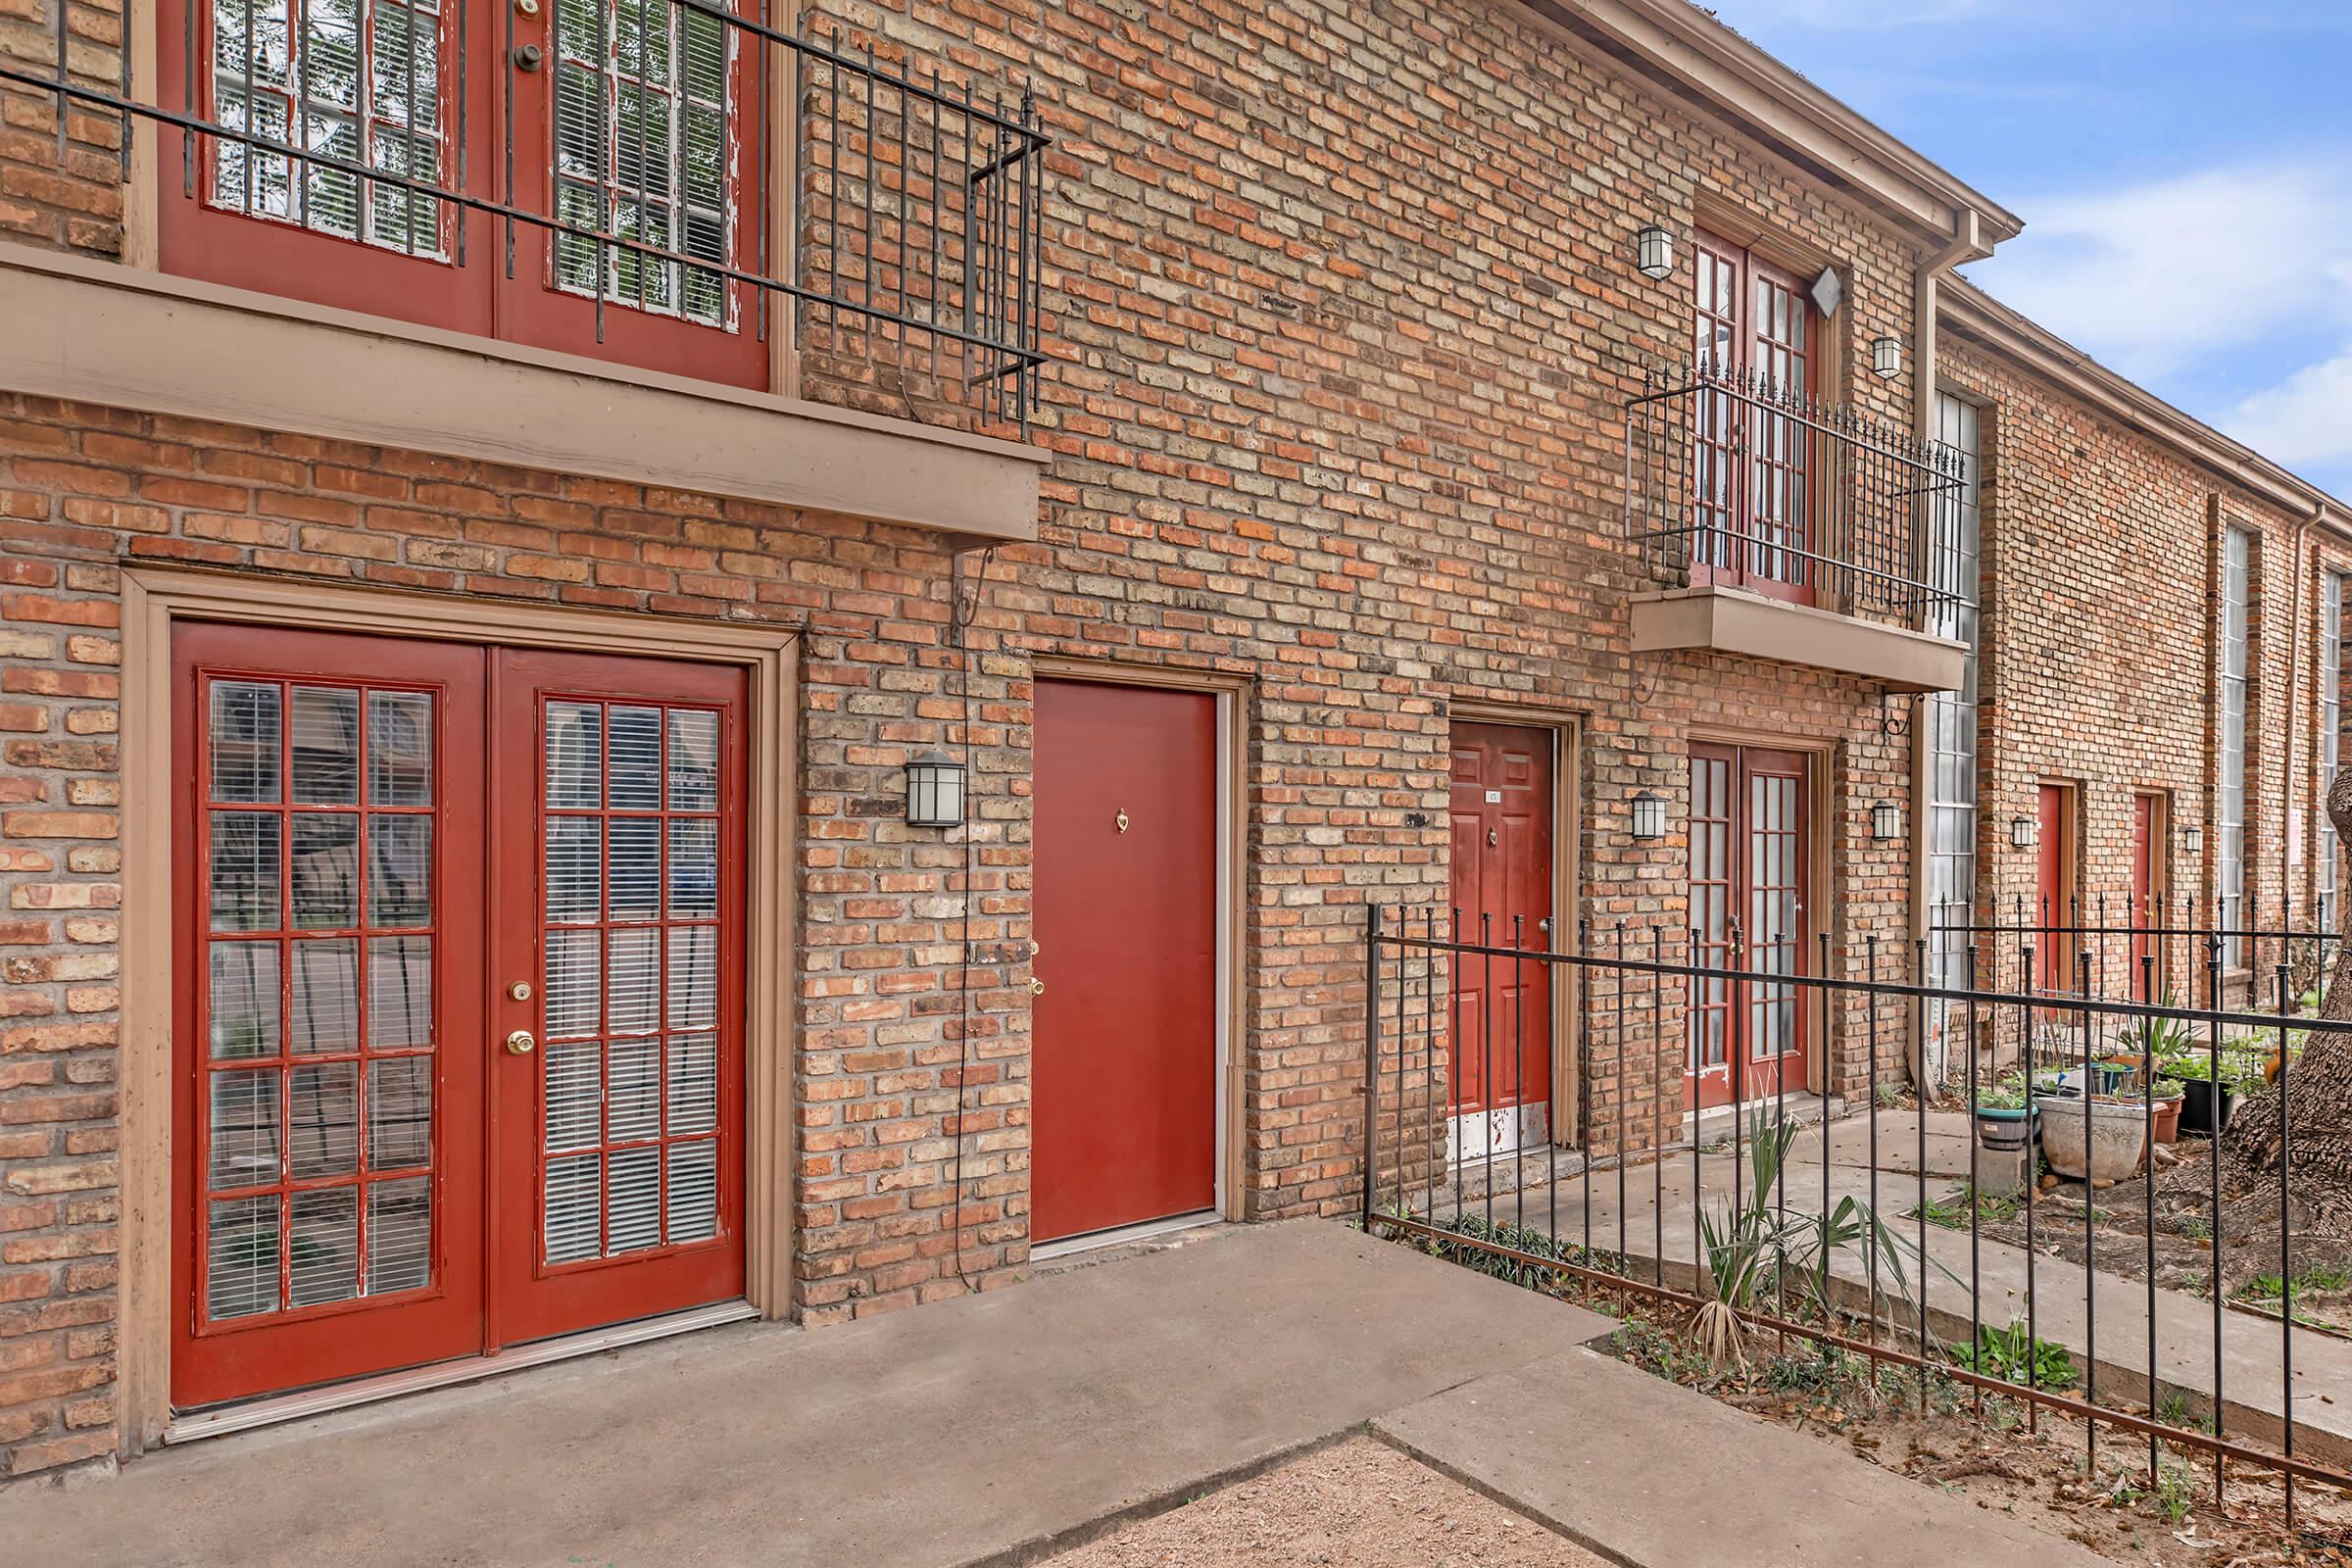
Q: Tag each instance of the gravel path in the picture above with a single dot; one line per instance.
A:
(1358, 1504)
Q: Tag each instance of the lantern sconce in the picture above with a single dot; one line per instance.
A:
(1886, 358)
(2192, 839)
(2024, 832)
(1885, 820)
(934, 790)
(1654, 251)
(1650, 816)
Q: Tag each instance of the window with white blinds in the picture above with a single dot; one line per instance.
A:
(2230, 792)
(1953, 715)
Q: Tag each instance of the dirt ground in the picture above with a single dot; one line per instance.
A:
(1358, 1504)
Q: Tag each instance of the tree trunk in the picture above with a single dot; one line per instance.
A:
(2315, 1134)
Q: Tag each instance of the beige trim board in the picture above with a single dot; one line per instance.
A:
(98, 332)
(1232, 689)
(1725, 620)
(154, 598)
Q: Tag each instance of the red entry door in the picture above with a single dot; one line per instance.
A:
(1751, 844)
(1124, 1063)
(359, 880)
(2054, 888)
(1500, 1082)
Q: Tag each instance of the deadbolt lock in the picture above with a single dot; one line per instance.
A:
(520, 991)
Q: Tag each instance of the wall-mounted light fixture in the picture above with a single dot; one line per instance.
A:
(1654, 251)
(1886, 358)
(1650, 816)
(2192, 839)
(1885, 820)
(2024, 832)
(934, 790)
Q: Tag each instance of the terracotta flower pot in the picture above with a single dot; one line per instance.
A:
(2165, 1124)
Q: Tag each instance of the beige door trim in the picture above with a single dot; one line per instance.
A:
(1567, 878)
(152, 600)
(1232, 690)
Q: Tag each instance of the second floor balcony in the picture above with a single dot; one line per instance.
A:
(1775, 526)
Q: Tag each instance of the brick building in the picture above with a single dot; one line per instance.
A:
(472, 694)
(2157, 695)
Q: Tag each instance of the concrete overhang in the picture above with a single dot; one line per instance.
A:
(92, 331)
(1726, 621)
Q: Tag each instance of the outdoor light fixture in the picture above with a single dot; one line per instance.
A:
(1885, 820)
(1886, 358)
(1656, 259)
(2192, 839)
(2023, 831)
(934, 790)
(1650, 816)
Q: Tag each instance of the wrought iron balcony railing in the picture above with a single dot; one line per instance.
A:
(1732, 480)
(649, 167)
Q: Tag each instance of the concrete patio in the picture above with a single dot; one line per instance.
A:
(999, 1428)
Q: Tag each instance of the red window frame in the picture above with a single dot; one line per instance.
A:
(1755, 496)
(474, 295)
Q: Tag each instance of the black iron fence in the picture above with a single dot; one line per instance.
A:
(1848, 1217)
(1734, 478)
(684, 160)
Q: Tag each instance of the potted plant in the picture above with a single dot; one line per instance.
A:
(2166, 1095)
(2100, 1140)
(2004, 1115)
(2205, 1107)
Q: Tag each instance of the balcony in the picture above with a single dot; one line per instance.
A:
(647, 240)
(1776, 527)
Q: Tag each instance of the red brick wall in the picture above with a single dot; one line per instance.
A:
(86, 491)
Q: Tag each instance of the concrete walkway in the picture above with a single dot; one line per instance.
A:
(1657, 1217)
(998, 1428)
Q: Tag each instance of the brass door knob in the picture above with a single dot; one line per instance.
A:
(1036, 987)
(520, 1042)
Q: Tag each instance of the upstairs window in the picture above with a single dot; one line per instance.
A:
(631, 121)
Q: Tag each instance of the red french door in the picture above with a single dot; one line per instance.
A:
(365, 1169)
(1123, 1056)
(1753, 453)
(2056, 942)
(639, 120)
(617, 1167)
(1751, 845)
(1499, 1079)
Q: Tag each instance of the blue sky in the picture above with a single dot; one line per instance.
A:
(2183, 167)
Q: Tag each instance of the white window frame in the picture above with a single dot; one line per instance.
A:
(2229, 742)
(2331, 716)
(1952, 738)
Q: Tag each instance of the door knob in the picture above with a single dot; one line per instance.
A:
(520, 1042)
(1036, 987)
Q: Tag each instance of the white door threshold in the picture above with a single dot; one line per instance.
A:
(272, 1409)
(1122, 1235)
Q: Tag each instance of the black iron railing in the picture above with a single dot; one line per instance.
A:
(1733, 479)
(1598, 1183)
(891, 223)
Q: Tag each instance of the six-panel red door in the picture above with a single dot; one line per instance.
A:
(1750, 850)
(459, 1025)
(1502, 815)
(1123, 1049)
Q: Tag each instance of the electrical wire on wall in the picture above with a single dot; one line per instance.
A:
(964, 605)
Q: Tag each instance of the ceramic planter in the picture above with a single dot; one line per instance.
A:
(2100, 1141)
(2003, 1128)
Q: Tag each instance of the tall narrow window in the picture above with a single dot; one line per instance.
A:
(2230, 792)
(2332, 719)
(1953, 715)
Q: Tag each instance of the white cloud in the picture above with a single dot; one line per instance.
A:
(2155, 279)
(2305, 422)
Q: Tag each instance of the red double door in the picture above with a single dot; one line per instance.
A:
(458, 989)
(1750, 847)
